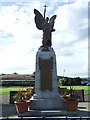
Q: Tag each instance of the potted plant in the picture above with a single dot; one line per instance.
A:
(70, 99)
(22, 100)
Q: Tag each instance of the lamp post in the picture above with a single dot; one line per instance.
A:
(63, 72)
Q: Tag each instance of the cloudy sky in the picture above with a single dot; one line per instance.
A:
(20, 39)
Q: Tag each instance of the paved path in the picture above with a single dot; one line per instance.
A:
(87, 98)
(4, 99)
(9, 110)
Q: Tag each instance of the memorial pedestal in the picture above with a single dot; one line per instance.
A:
(46, 95)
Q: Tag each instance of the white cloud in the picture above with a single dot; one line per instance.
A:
(72, 39)
(69, 39)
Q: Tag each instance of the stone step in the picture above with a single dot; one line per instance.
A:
(39, 113)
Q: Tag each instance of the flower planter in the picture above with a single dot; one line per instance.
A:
(66, 97)
(21, 106)
(71, 105)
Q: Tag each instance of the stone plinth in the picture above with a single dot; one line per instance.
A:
(46, 88)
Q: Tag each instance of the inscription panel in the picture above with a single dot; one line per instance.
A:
(46, 67)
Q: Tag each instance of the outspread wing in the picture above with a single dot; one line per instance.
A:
(51, 21)
(39, 20)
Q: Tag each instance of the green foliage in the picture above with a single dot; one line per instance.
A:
(6, 90)
(63, 81)
(22, 95)
(69, 81)
(86, 88)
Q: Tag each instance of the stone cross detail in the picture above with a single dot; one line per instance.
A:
(44, 10)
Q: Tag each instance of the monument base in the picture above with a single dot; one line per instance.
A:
(47, 104)
(46, 95)
(55, 114)
(47, 113)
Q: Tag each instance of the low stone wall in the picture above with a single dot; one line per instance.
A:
(80, 94)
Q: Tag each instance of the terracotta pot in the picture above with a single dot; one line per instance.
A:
(66, 97)
(21, 106)
(71, 105)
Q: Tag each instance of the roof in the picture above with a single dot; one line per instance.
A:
(14, 75)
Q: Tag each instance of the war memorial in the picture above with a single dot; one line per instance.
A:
(47, 101)
(46, 88)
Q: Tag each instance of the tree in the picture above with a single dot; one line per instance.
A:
(63, 81)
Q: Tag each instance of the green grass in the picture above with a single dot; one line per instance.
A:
(86, 88)
(6, 90)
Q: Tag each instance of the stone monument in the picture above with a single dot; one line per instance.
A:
(46, 95)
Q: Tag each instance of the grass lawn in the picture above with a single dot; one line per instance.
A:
(6, 90)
